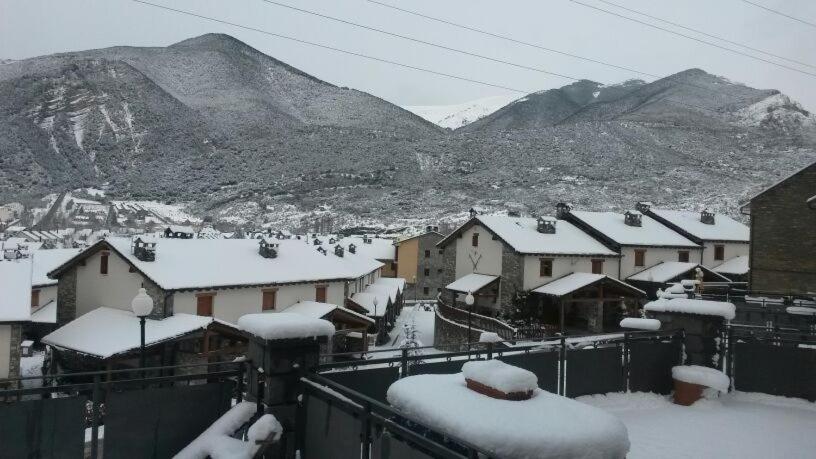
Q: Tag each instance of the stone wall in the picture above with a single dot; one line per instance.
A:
(162, 303)
(448, 334)
(66, 296)
(512, 278)
(783, 245)
(14, 350)
(703, 344)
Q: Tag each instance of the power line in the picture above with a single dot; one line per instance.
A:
(734, 51)
(331, 48)
(780, 13)
(707, 34)
(417, 40)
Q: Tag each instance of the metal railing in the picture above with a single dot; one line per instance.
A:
(477, 321)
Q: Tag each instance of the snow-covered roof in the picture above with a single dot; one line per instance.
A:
(651, 232)
(391, 290)
(724, 228)
(471, 283)
(379, 248)
(45, 314)
(737, 265)
(689, 306)
(663, 271)
(575, 281)
(545, 426)
(46, 261)
(106, 332)
(392, 281)
(317, 310)
(521, 233)
(15, 290)
(282, 325)
(366, 300)
(208, 263)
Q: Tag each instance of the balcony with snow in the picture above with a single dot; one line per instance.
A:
(500, 410)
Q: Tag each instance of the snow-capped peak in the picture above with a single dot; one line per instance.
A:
(458, 115)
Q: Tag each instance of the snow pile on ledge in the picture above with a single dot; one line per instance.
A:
(704, 376)
(490, 337)
(801, 311)
(282, 325)
(689, 306)
(547, 425)
(217, 442)
(640, 324)
(500, 376)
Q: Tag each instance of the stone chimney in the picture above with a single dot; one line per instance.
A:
(473, 213)
(352, 248)
(267, 248)
(562, 209)
(707, 217)
(144, 251)
(339, 250)
(546, 225)
(643, 206)
(633, 218)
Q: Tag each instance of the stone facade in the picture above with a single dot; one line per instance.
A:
(703, 340)
(162, 301)
(66, 297)
(448, 333)
(448, 265)
(512, 277)
(14, 350)
(429, 285)
(783, 236)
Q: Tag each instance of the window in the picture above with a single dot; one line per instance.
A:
(441, 251)
(424, 290)
(683, 256)
(103, 263)
(640, 257)
(439, 271)
(320, 294)
(35, 298)
(427, 272)
(475, 240)
(427, 254)
(269, 299)
(597, 266)
(393, 266)
(719, 252)
(204, 304)
(545, 266)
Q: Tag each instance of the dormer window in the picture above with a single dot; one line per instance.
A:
(633, 218)
(707, 217)
(546, 225)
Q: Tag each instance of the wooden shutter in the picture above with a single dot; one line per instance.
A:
(35, 298)
(475, 240)
(640, 257)
(597, 266)
(103, 263)
(545, 267)
(269, 301)
(719, 252)
(683, 256)
(204, 306)
(320, 294)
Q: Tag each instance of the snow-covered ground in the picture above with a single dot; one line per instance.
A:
(736, 425)
(424, 322)
(458, 115)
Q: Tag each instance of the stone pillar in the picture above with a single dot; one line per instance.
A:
(512, 278)
(595, 317)
(703, 345)
(162, 302)
(14, 351)
(66, 297)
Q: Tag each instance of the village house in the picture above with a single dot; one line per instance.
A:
(44, 290)
(721, 237)
(421, 263)
(503, 260)
(783, 235)
(15, 312)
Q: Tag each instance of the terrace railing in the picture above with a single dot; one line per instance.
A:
(477, 321)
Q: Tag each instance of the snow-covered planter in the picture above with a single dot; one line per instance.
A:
(490, 337)
(640, 324)
(691, 380)
(497, 379)
(545, 426)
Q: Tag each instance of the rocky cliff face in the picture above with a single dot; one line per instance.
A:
(213, 121)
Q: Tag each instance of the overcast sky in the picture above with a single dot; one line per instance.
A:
(36, 27)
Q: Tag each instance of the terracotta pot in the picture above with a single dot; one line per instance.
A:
(687, 393)
(495, 393)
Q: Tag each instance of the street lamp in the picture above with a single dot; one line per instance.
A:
(469, 300)
(142, 306)
(377, 320)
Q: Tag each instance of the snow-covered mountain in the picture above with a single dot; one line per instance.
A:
(458, 115)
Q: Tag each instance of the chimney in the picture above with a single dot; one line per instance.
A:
(633, 218)
(435, 229)
(338, 250)
(562, 209)
(366, 239)
(643, 206)
(267, 248)
(144, 251)
(316, 241)
(428, 229)
(546, 225)
(473, 212)
(322, 250)
(707, 217)
(352, 248)
(331, 240)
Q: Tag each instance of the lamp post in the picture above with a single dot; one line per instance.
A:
(377, 320)
(469, 300)
(142, 306)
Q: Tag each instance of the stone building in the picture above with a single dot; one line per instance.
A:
(15, 312)
(783, 235)
(421, 263)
